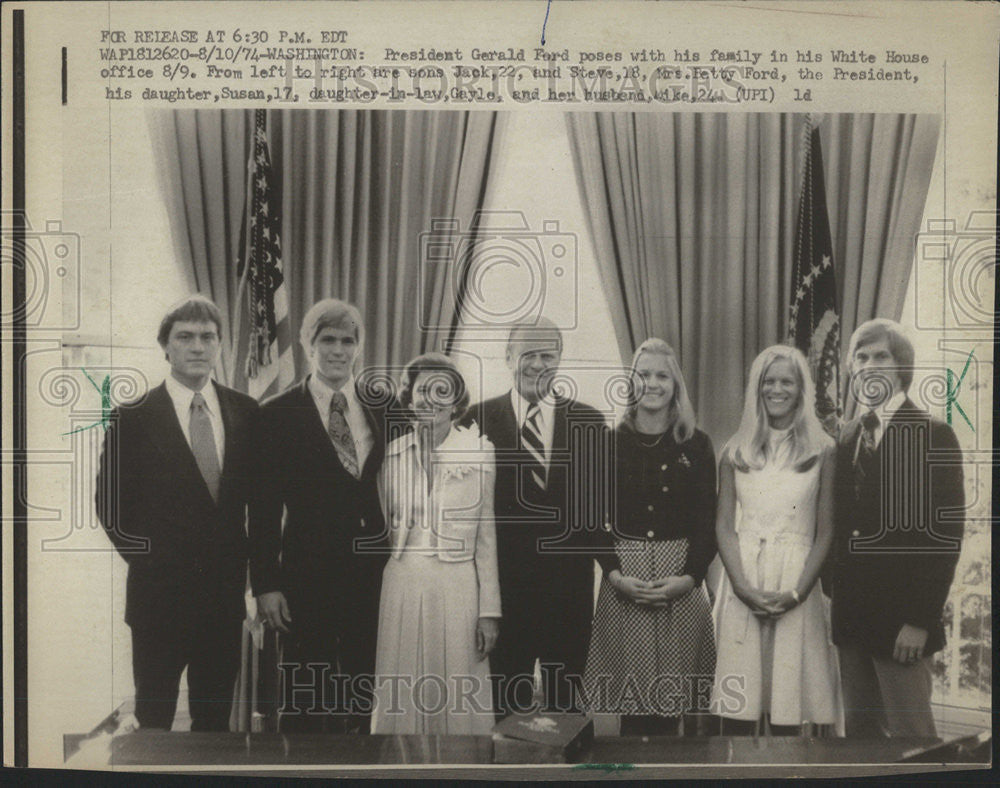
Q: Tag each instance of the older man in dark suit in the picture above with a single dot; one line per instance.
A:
(174, 478)
(549, 453)
(899, 523)
(322, 446)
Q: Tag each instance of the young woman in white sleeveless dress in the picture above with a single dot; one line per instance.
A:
(774, 526)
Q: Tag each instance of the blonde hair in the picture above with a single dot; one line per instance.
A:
(331, 313)
(681, 411)
(748, 447)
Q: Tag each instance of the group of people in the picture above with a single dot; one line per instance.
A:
(429, 564)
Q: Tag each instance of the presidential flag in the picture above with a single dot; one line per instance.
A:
(270, 365)
(813, 319)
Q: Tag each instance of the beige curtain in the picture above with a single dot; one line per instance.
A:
(693, 221)
(202, 155)
(878, 170)
(366, 186)
(357, 188)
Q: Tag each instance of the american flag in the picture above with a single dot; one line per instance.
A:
(270, 366)
(813, 320)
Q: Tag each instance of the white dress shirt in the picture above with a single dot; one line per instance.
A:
(886, 411)
(181, 396)
(546, 417)
(354, 415)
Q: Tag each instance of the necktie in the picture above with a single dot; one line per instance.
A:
(203, 445)
(531, 439)
(340, 434)
(864, 464)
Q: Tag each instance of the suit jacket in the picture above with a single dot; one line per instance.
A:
(186, 553)
(898, 536)
(315, 558)
(545, 543)
(459, 510)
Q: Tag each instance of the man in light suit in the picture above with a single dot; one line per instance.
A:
(322, 447)
(898, 532)
(174, 478)
(544, 523)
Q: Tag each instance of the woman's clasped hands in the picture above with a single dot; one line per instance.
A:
(657, 593)
(767, 604)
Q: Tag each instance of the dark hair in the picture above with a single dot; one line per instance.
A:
(452, 379)
(193, 309)
(899, 345)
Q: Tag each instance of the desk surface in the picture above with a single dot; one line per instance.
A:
(307, 753)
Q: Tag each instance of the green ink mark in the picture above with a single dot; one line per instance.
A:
(606, 767)
(105, 391)
(952, 393)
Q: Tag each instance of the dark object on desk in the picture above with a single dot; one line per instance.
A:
(542, 738)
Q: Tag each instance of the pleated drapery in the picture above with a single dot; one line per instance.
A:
(693, 221)
(369, 184)
(357, 189)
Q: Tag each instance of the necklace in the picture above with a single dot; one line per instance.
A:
(650, 445)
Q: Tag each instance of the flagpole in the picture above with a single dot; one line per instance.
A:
(242, 284)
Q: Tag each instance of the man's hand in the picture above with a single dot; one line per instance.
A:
(910, 644)
(273, 610)
(487, 630)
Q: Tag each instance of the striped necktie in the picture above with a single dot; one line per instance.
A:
(531, 440)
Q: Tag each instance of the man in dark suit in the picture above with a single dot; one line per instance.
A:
(322, 447)
(548, 484)
(899, 523)
(172, 488)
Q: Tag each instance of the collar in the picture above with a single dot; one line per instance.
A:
(323, 393)
(888, 409)
(181, 395)
(546, 405)
(408, 440)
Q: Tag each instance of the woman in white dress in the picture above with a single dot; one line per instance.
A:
(440, 605)
(774, 527)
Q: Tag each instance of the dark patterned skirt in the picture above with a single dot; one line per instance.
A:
(651, 660)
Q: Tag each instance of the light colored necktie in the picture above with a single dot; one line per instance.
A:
(203, 445)
(340, 433)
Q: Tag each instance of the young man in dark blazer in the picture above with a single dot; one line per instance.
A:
(548, 453)
(321, 447)
(174, 478)
(899, 523)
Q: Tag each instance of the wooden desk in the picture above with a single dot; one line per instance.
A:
(315, 755)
